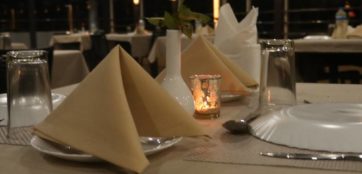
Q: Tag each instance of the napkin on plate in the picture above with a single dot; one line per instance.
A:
(116, 103)
(201, 57)
(238, 40)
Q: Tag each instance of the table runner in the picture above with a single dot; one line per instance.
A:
(244, 149)
(22, 136)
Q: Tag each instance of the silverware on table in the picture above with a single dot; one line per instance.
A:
(242, 125)
(314, 156)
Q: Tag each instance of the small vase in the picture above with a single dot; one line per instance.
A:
(173, 81)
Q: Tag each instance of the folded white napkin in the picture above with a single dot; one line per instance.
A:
(238, 40)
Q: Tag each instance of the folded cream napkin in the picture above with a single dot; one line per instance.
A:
(204, 30)
(116, 103)
(201, 57)
(238, 41)
(355, 33)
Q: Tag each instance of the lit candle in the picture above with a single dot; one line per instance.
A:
(70, 17)
(206, 93)
(216, 8)
(13, 19)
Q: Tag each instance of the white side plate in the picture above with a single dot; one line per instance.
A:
(333, 127)
(56, 150)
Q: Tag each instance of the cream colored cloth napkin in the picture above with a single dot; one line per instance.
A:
(355, 33)
(201, 57)
(238, 40)
(204, 30)
(116, 103)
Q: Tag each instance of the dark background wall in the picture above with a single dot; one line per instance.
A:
(305, 17)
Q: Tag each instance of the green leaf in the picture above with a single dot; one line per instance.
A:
(157, 21)
(170, 21)
(181, 20)
(201, 17)
(187, 29)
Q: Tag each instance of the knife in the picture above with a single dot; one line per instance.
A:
(313, 156)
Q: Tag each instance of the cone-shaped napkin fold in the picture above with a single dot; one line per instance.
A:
(116, 103)
(201, 57)
(238, 41)
(231, 32)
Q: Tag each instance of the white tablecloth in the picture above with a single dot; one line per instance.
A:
(69, 67)
(18, 46)
(140, 44)
(329, 45)
(83, 38)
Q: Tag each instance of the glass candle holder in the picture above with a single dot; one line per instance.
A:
(206, 93)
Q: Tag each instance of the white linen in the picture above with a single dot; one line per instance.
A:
(83, 38)
(238, 41)
(69, 67)
(140, 43)
(328, 46)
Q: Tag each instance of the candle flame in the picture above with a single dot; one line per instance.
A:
(216, 8)
(136, 2)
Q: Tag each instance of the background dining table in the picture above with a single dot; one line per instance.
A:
(69, 67)
(176, 159)
(83, 38)
(140, 43)
(335, 60)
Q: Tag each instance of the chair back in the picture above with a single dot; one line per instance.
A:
(99, 49)
(67, 46)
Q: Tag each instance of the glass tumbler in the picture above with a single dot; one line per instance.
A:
(277, 85)
(28, 89)
(206, 93)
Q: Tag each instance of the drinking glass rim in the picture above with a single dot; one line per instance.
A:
(205, 76)
(27, 54)
(276, 41)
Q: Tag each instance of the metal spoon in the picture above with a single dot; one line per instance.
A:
(155, 140)
(240, 126)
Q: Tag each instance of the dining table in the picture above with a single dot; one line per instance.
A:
(83, 38)
(69, 67)
(328, 59)
(140, 43)
(328, 45)
(195, 154)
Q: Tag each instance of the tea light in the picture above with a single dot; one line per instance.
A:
(206, 93)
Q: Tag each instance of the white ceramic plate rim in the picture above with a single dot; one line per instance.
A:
(314, 133)
(41, 145)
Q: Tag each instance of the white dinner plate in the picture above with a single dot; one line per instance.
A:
(334, 127)
(60, 151)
